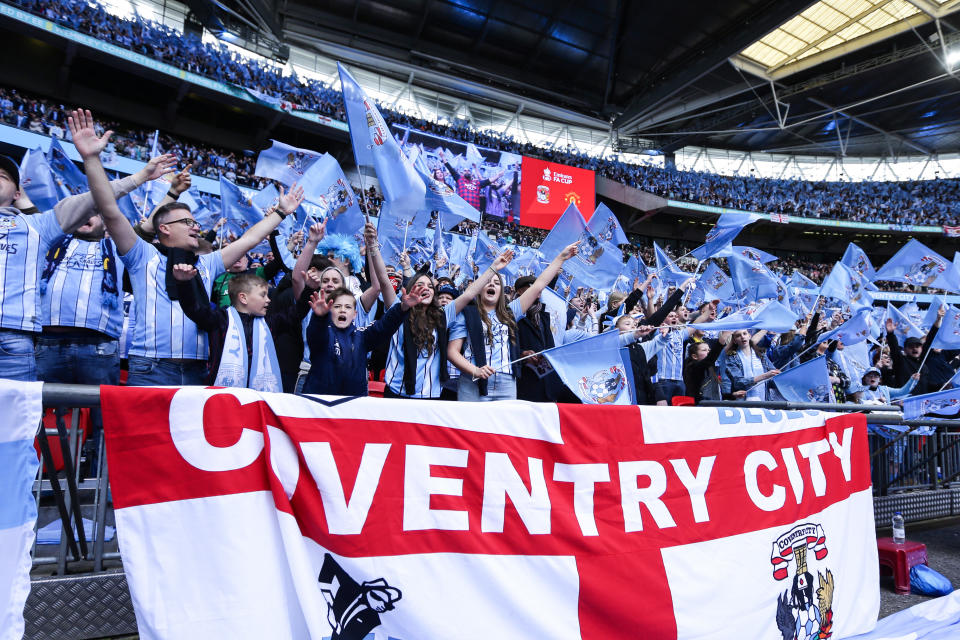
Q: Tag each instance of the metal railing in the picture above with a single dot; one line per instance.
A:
(901, 460)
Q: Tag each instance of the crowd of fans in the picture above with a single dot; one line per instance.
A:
(894, 203)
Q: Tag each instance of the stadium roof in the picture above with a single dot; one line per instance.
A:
(835, 77)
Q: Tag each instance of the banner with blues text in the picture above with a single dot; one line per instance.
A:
(248, 515)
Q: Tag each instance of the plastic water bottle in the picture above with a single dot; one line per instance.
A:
(899, 533)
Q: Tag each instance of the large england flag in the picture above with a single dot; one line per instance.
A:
(248, 515)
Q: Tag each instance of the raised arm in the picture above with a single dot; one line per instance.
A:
(289, 201)
(314, 236)
(378, 270)
(89, 145)
(530, 296)
(479, 282)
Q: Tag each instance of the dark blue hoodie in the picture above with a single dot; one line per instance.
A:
(338, 357)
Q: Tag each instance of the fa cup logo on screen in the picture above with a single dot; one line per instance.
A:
(800, 615)
(546, 175)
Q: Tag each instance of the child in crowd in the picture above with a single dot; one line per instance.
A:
(339, 348)
(242, 352)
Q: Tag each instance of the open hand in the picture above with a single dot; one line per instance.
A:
(414, 297)
(317, 231)
(320, 304)
(569, 251)
(160, 166)
(85, 137)
(502, 260)
(290, 200)
(181, 180)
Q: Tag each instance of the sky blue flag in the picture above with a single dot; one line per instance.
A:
(747, 253)
(916, 264)
(713, 284)
(774, 316)
(855, 258)
(67, 176)
(36, 179)
(596, 264)
(667, 270)
(903, 327)
(802, 301)
(399, 181)
(941, 403)
(801, 281)
(721, 236)
(750, 275)
(912, 310)
(527, 262)
(807, 382)
(605, 226)
(847, 286)
(594, 369)
(737, 320)
(238, 208)
(948, 336)
(931, 314)
(556, 308)
(284, 163)
(353, 101)
(439, 196)
(854, 330)
(485, 252)
(326, 186)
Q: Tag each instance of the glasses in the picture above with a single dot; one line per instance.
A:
(190, 222)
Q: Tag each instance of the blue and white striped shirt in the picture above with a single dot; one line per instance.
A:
(428, 365)
(498, 353)
(670, 357)
(74, 298)
(160, 330)
(24, 241)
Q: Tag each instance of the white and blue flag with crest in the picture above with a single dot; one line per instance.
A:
(595, 369)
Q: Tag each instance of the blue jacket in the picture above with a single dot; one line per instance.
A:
(732, 377)
(339, 356)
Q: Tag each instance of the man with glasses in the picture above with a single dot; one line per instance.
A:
(166, 347)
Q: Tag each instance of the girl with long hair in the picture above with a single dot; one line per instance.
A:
(417, 359)
(746, 369)
(483, 339)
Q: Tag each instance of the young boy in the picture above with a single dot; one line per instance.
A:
(242, 353)
(338, 349)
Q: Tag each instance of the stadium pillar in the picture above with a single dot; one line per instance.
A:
(670, 160)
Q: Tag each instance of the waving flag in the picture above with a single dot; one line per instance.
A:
(753, 276)
(439, 196)
(930, 316)
(594, 369)
(69, 179)
(948, 335)
(667, 270)
(18, 506)
(846, 286)
(903, 327)
(855, 258)
(774, 316)
(801, 281)
(326, 186)
(485, 252)
(556, 308)
(918, 265)
(747, 253)
(713, 284)
(36, 179)
(597, 264)
(605, 226)
(721, 236)
(807, 382)
(284, 163)
(239, 210)
(854, 330)
(399, 181)
(941, 403)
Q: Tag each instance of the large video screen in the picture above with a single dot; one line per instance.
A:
(488, 179)
(549, 188)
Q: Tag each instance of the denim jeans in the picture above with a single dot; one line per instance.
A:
(18, 360)
(500, 386)
(157, 372)
(667, 389)
(78, 359)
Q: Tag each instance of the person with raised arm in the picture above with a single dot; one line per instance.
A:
(483, 338)
(166, 347)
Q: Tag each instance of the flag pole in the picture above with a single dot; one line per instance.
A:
(146, 194)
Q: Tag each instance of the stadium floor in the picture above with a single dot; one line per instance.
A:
(942, 538)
